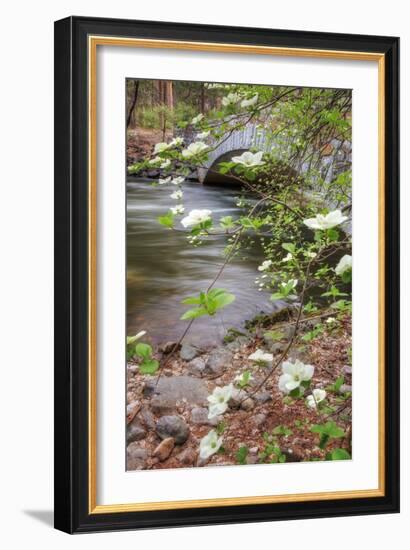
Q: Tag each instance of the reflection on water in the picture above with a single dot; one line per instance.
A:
(162, 268)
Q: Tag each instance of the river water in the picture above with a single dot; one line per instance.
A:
(162, 268)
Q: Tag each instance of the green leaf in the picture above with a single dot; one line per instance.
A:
(191, 300)
(337, 385)
(333, 234)
(167, 220)
(149, 366)
(143, 350)
(241, 454)
(132, 339)
(282, 430)
(338, 454)
(329, 428)
(223, 300)
(226, 222)
(273, 335)
(289, 247)
(194, 313)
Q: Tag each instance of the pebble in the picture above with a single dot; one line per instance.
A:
(169, 347)
(199, 416)
(196, 366)
(263, 397)
(248, 404)
(173, 426)
(161, 406)
(236, 398)
(135, 431)
(188, 352)
(218, 360)
(136, 457)
(187, 456)
(147, 418)
(132, 406)
(277, 347)
(164, 449)
(259, 419)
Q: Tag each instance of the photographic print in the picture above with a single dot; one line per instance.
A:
(239, 263)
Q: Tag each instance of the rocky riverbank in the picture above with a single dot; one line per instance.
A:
(167, 416)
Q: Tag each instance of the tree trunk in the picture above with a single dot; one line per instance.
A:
(133, 102)
(202, 98)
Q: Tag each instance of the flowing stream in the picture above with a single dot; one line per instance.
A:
(163, 268)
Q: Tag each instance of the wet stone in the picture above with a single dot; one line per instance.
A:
(173, 426)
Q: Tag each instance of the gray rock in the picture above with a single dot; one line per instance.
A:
(136, 457)
(188, 352)
(259, 419)
(252, 458)
(187, 456)
(173, 426)
(160, 405)
(263, 397)
(135, 431)
(164, 449)
(199, 416)
(288, 332)
(237, 397)
(218, 361)
(237, 343)
(248, 404)
(196, 366)
(147, 418)
(277, 347)
(132, 406)
(169, 347)
(171, 389)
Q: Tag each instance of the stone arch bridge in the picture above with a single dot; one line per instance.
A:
(334, 160)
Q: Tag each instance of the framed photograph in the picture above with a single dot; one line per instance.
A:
(226, 274)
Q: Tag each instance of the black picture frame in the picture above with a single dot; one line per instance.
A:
(72, 277)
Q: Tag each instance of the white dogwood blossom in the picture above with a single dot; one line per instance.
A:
(132, 339)
(209, 445)
(194, 149)
(155, 160)
(197, 118)
(344, 264)
(327, 221)
(249, 102)
(292, 283)
(242, 378)
(195, 217)
(265, 265)
(261, 358)
(317, 396)
(203, 135)
(176, 142)
(294, 374)
(161, 147)
(218, 400)
(178, 180)
(249, 159)
(177, 195)
(166, 163)
(231, 99)
(178, 209)
(162, 181)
